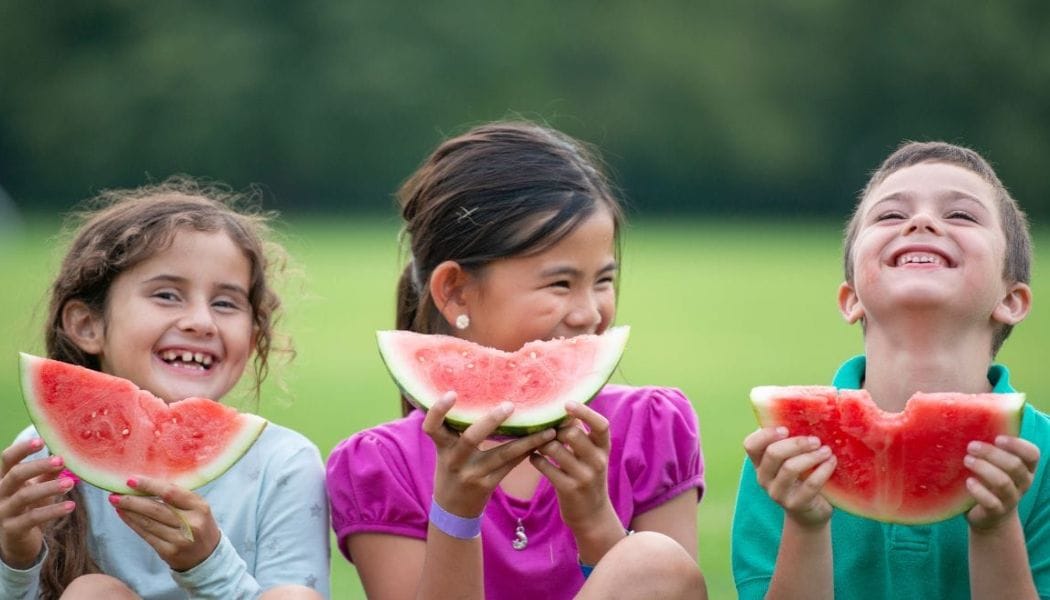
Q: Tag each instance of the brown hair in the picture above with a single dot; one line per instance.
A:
(1017, 266)
(499, 190)
(118, 230)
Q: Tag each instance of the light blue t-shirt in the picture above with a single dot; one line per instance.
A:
(883, 560)
(273, 512)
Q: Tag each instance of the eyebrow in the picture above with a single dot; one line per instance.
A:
(946, 195)
(231, 288)
(573, 271)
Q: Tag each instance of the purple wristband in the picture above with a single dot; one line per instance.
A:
(452, 525)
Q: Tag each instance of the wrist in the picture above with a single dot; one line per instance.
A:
(597, 535)
(453, 525)
(21, 562)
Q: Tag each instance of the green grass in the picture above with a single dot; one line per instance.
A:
(715, 309)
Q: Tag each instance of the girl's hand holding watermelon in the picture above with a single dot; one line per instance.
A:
(792, 471)
(466, 475)
(28, 493)
(576, 464)
(177, 523)
(1003, 472)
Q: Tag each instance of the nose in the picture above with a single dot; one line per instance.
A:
(586, 313)
(922, 222)
(198, 319)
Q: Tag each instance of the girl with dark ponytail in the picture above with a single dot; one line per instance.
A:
(513, 233)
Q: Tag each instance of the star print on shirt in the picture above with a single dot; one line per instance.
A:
(311, 581)
(315, 510)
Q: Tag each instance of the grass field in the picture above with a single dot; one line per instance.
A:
(715, 309)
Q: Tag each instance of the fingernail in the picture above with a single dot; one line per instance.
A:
(133, 483)
(66, 483)
(56, 461)
(572, 404)
(813, 441)
(782, 431)
(824, 450)
(549, 433)
(974, 447)
(36, 444)
(114, 499)
(69, 505)
(506, 407)
(969, 461)
(1001, 440)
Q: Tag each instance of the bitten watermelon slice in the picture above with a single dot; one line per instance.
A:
(106, 429)
(902, 467)
(539, 378)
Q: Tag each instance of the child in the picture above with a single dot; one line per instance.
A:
(513, 234)
(937, 258)
(156, 274)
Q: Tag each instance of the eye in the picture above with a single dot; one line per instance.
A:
(226, 304)
(166, 295)
(561, 283)
(961, 214)
(890, 215)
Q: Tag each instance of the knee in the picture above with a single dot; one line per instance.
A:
(291, 592)
(662, 562)
(97, 585)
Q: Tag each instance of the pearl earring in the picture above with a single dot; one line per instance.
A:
(462, 322)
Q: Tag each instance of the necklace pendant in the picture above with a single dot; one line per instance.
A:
(520, 541)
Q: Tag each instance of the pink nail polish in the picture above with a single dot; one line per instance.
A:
(133, 483)
(66, 483)
(36, 444)
(56, 461)
(69, 505)
(114, 499)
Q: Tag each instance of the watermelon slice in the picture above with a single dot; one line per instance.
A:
(106, 429)
(539, 378)
(902, 467)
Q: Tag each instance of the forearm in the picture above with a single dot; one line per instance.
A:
(999, 562)
(804, 567)
(452, 567)
(598, 536)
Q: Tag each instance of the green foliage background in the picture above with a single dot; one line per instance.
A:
(716, 307)
(702, 107)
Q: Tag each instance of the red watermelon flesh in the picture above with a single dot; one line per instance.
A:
(904, 467)
(539, 378)
(106, 429)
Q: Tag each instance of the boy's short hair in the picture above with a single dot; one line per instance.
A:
(1017, 266)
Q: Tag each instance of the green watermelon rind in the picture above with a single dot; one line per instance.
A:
(252, 428)
(762, 398)
(521, 422)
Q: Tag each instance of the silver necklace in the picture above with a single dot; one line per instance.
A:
(520, 541)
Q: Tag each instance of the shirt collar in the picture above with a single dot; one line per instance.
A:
(851, 374)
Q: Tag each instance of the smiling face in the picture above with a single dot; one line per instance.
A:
(929, 235)
(179, 323)
(567, 289)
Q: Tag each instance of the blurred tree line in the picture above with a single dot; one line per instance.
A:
(745, 107)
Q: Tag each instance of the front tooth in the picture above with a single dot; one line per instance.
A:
(169, 355)
(187, 356)
(207, 360)
(198, 357)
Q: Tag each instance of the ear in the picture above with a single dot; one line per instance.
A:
(849, 303)
(449, 283)
(83, 326)
(1014, 306)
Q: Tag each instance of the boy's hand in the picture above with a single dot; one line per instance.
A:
(466, 475)
(177, 523)
(792, 471)
(1003, 472)
(30, 496)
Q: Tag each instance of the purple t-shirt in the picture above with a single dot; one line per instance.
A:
(381, 481)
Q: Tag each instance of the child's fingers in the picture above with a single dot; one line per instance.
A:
(514, 451)
(18, 475)
(35, 517)
(794, 470)
(987, 500)
(153, 533)
(17, 452)
(597, 425)
(484, 427)
(1019, 471)
(434, 422)
(39, 493)
(778, 452)
(558, 478)
(1026, 451)
(994, 479)
(801, 496)
(757, 441)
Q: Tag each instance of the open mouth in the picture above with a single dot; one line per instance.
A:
(188, 360)
(921, 257)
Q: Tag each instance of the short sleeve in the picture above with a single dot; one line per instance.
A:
(661, 452)
(380, 482)
(1035, 505)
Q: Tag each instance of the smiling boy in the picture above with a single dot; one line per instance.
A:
(937, 264)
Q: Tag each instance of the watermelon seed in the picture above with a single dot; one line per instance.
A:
(513, 365)
(94, 414)
(470, 365)
(422, 359)
(105, 411)
(156, 433)
(125, 431)
(532, 355)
